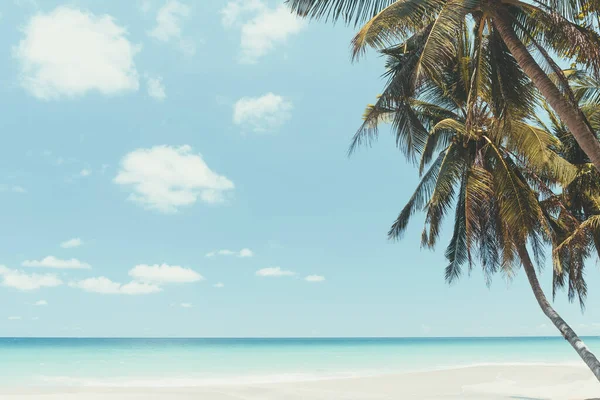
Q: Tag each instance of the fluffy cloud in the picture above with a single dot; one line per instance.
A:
(85, 172)
(266, 28)
(243, 253)
(166, 178)
(219, 285)
(234, 10)
(40, 303)
(314, 278)
(53, 262)
(26, 282)
(14, 318)
(68, 52)
(186, 305)
(274, 271)
(104, 285)
(169, 19)
(164, 274)
(262, 114)
(75, 242)
(156, 88)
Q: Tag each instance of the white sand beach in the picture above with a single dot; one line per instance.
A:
(481, 382)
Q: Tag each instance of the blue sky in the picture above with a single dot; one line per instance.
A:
(179, 168)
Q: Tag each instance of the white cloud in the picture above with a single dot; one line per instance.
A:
(243, 253)
(68, 52)
(156, 88)
(104, 285)
(13, 189)
(53, 262)
(246, 253)
(267, 28)
(164, 274)
(23, 281)
(169, 20)
(14, 318)
(75, 242)
(219, 285)
(314, 278)
(186, 305)
(233, 10)
(85, 172)
(40, 303)
(262, 114)
(166, 178)
(274, 271)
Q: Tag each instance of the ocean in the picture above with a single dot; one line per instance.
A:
(196, 362)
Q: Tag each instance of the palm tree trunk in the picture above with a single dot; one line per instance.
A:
(569, 114)
(569, 334)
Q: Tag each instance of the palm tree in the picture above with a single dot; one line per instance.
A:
(577, 225)
(493, 168)
(543, 25)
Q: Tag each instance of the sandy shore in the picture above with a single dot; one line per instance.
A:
(485, 382)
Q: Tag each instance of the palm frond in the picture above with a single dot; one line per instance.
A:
(419, 198)
(517, 205)
(451, 170)
(349, 11)
(567, 39)
(457, 252)
(402, 18)
(441, 42)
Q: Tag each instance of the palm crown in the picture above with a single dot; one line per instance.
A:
(528, 30)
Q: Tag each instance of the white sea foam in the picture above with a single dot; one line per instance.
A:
(259, 379)
(180, 382)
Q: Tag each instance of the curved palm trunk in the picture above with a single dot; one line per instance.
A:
(569, 334)
(571, 116)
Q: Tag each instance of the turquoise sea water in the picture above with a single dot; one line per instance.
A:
(194, 362)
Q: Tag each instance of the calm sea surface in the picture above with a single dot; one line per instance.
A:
(193, 362)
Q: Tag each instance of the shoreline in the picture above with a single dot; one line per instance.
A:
(492, 382)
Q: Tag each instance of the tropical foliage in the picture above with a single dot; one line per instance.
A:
(529, 30)
(463, 107)
(577, 225)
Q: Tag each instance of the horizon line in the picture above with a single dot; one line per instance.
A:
(292, 337)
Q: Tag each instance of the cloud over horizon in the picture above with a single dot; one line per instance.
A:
(243, 253)
(161, 274)
(103, 285)
(71, 243)
(27, 282)
(274, 272)
(54, 262)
